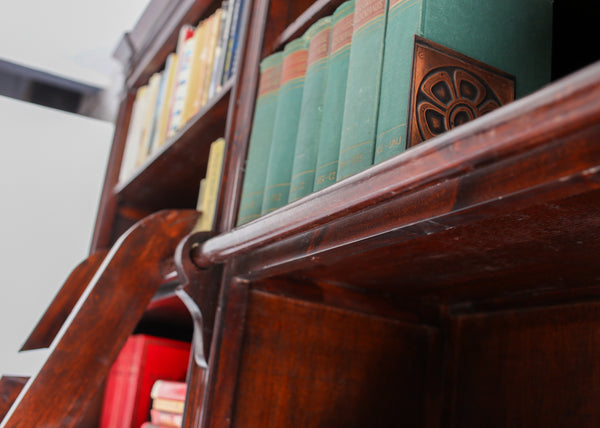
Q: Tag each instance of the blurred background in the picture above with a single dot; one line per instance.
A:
(59, 91)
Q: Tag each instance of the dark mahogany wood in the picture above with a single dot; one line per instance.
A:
(10, 388)
(106, 314)
(107, 208)
(308, 365)
(541, 140)
(217, 409)
(50, 323)
(535, 367)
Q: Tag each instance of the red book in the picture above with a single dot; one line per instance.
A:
(170, 390)
(142, 361)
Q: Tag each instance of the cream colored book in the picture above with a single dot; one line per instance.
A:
(132, 143)
(168, 82)
(148, 116)
(196, 64)
(211, 46)
(184, 54)
(209, 194)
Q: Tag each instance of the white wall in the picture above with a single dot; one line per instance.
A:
(51, 172)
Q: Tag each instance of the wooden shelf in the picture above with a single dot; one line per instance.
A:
(170, 178)
(449, 211)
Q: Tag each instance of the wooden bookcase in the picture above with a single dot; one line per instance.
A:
(457, 284)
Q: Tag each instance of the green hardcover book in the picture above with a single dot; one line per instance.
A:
(260, 138)
(311, 110)
(362, 91)
(285, 128)
(511, 35)
(335, 94)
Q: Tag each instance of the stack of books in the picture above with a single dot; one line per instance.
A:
(142, 361)
(168, 402)
(205, 59)
(336, 100)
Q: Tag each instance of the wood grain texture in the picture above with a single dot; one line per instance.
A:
(50, 323)
(424, 181)
(99, 324)
(10, 387)
(535, 367)
(311, 365)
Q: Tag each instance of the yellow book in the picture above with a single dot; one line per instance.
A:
(193, 81)
(184, 56)
(163, 115)
(132, 143)
(208, 203)
(148, 116)
(211, 46)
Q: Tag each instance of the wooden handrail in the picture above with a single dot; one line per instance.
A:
(82, 352)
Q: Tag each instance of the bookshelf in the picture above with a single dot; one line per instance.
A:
(453, 285)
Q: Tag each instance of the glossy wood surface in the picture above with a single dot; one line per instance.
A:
(527, 368)
(537, 149)
(105, 315)
(306, 365)
(10, 388)
(50, 323)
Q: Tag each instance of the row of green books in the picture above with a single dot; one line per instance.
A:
(335, 100)
(204, 60)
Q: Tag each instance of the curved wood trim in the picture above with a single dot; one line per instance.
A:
(525, 126)
(95, 331)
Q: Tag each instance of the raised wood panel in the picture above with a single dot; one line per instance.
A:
(536, 367)
(304, 364)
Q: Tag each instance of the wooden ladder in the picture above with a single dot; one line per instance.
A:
(89, 321)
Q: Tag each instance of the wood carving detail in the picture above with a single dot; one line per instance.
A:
(451, 96)
(449, 89)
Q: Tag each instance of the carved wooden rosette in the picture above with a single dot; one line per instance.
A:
(449, 89)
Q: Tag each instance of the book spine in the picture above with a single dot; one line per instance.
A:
(362, 93)
(203, 95)
(148, 115)
(335, 94)
(404, 20)
(285, 128)
(235, 18)
(311, 110)
(196, 66)
(170, 390)
(166, 419)
(235, 54)
(170, 70)
(132, 143)
(224, 46)
(219, 51)
(184, 53)
(260, 139)
(213, 179)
